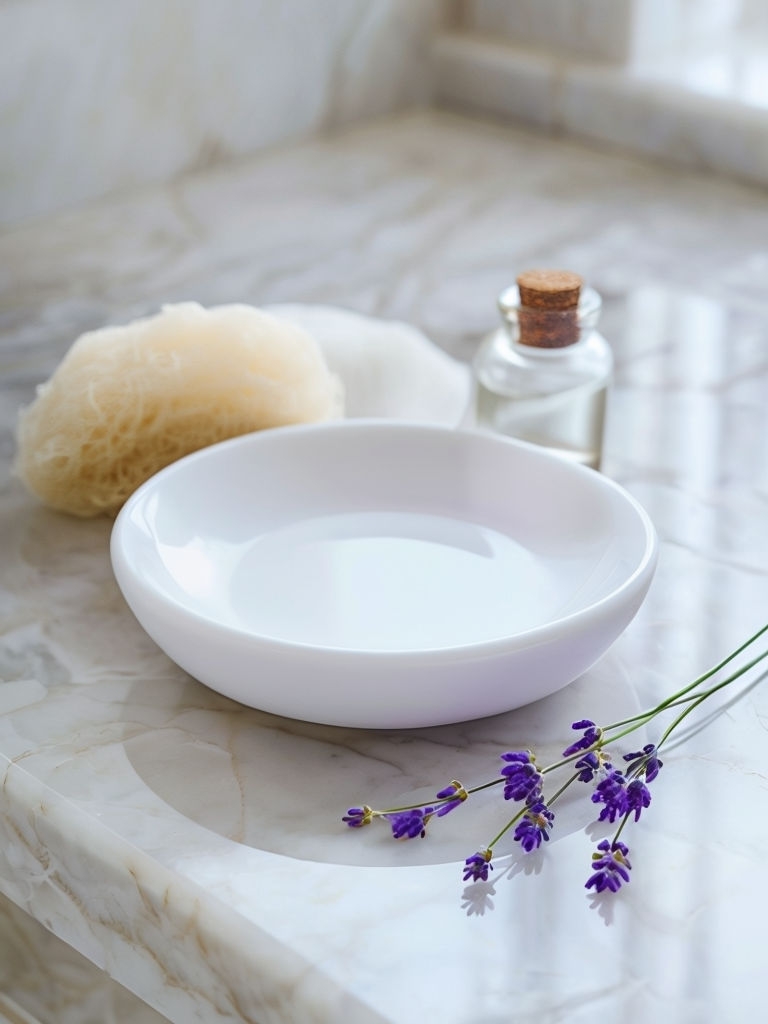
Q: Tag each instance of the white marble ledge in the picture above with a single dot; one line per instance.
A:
(191, 848)
(670, 109)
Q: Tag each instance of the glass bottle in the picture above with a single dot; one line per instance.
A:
(543, 376)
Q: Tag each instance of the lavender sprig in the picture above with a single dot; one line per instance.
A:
(621, 795)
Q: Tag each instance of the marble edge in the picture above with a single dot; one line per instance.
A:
(156, 932)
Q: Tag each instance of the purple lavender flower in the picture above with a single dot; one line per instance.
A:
(477, 866)
(611, 865)
(455, 790)
(645, 762)
(411, 823)
(638, 797)
(523, 780)
(588, 765)
(592, 735)
(534, 826)
(356, 817)
(612, 792)
(593, 762)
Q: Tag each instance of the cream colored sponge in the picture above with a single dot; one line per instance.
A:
(126, 401)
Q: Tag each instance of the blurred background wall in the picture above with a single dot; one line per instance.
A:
(99, 95)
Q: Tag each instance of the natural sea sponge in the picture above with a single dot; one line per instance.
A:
(127, 401)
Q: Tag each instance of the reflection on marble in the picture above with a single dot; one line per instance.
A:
(191, 848)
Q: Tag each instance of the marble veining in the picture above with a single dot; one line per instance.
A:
(43, 979)
(191, 848)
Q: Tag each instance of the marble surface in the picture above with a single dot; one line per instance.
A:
(192, 848)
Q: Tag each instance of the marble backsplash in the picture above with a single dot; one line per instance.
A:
(601, 29)
(95, 98)
(612, 31)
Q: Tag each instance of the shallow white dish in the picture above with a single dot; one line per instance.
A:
(382, 575)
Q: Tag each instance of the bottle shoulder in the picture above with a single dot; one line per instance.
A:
(506, 366)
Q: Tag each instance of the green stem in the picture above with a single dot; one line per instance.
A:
(626, 726)
(486, 785)
(693, 699)
(522, 811)
(673, 698)
(437, 801)
(620, 829)
(507, 827)
(700, 698)
(396, 810)
(562, 789)
(683, 696)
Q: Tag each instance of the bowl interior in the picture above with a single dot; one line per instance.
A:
(382, 538)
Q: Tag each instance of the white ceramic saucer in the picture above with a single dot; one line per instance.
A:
(382, 575)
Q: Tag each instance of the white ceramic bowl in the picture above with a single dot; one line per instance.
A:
(382, 575)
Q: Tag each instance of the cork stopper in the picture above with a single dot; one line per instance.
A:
(548, 312)
(549, 289)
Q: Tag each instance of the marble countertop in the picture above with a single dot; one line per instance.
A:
(192, 848)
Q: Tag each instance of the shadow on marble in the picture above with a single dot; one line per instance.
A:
(121, 717)
(282, 786)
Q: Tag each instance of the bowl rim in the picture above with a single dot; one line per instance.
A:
(555, 629)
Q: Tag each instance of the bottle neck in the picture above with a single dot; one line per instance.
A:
(546, 353)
